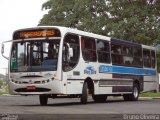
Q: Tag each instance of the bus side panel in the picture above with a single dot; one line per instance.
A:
(104, 89)
(150, 83)
(74, 87)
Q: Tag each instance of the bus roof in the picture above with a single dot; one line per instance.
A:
(126, 43)
(148, 47)
(65, 30)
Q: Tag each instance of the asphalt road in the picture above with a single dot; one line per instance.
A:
(29, 105)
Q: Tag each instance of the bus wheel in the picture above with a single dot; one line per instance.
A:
(84, 96)
(135, 94)
(43, 99)
(99, 98)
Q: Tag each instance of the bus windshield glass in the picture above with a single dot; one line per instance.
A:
(34, 56)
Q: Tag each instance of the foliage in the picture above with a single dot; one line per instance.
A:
(136, 20)
(1, 82)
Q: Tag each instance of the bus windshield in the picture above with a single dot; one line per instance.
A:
(34, 56)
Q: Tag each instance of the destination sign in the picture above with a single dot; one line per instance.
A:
(36, 33)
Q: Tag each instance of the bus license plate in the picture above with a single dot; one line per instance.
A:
(31, 88)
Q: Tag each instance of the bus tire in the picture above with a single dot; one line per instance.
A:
(99, 98)
(43, 99)
(135, 94)
(84, 96)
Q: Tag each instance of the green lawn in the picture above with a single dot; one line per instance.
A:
(1, 93)
(150, 94)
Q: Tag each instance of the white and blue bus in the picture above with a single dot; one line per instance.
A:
(52, 61)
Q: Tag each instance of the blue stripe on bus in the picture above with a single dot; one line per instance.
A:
(126, 70)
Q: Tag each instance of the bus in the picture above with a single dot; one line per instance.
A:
(54, 61)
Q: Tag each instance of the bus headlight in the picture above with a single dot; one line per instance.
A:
(45, 81)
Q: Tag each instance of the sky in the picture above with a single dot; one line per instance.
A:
(17, 14)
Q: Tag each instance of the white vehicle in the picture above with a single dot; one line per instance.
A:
(56, 61)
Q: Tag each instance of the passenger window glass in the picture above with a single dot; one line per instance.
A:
(153, 59)
(103, 51)
(116, 54)
(116, 49)
(88, 49)
(137, 57)
(127, 56)
(146, 58)
(71, 52)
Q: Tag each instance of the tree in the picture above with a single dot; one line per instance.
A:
(136, 20)
(1, 83)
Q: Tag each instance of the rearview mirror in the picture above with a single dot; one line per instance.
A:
(4, 49)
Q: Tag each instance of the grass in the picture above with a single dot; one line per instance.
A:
(150, 94)
(1, 93)
(5, 90)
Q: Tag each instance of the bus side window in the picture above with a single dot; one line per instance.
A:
(137, 57)
(103, 51)
(146, 58)
(88, 49)
(127, 56)
(153, 59)
(71, 41)
(116, 54)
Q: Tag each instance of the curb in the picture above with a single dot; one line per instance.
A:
(9, 95)
(156, 98)
(149, 97)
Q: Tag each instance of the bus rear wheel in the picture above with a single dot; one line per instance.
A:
(84, 96)
(99, 98)
(135, 94)
(43, 99)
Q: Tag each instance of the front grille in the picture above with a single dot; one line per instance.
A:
(36, 90)
(31, 82)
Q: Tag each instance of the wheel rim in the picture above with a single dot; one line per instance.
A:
(135, 92)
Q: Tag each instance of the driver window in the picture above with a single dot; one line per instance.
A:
(71, 52)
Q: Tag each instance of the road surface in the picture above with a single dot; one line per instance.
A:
(71, 107)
